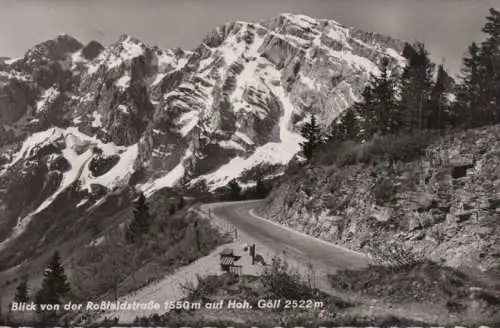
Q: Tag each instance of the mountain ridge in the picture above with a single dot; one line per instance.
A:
(152, 119)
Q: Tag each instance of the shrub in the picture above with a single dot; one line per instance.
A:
(395, 255)
(405, 147)
(384, 191)
(285, 283)
(204, 288)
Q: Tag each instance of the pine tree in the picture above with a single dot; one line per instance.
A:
(22, 295)
(234, 192)
(55, 284)
(367, 115)
(387, 118)
(142, 220)
(468, 108)
(478, 94)
(438, 102)
(416, 84)
(312, 133)
(490, 61)
(261, 191)
(346, 127)
(378, 111)
(181, 203)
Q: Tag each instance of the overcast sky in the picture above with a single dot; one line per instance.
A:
(446, 26)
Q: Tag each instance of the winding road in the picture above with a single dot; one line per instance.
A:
(301, 252)
(303, 248)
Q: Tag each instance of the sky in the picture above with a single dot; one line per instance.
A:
(447, 27)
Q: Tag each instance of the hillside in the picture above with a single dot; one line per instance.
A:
(439, 199)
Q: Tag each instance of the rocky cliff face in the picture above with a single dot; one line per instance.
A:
(160, 118)
(444, 205)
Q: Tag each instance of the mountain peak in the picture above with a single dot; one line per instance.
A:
(92, 50)
(299, 17)
(128, 38)
(130, 45)
(54, 49)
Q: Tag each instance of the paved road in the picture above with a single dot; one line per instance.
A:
(302, 248)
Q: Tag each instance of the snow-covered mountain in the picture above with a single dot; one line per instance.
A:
(77, 122)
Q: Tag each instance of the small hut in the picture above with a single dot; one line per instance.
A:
(227, 260)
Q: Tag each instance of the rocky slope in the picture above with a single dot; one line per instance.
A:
(444, 204)
(79, 123)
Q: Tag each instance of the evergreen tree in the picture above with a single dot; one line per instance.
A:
(22, 295)
(181, 203)
(409, 51)
(367, 118)
(378, 111)
(261, 191)
(490, 61)
(438, 102)
(234, 192)
(141, 222)
(468, 109)
(346, 127)
(312, 133)
(387, 119)
(478, 94)
(351, 125)
(55, 284)
(416, 84)
(172, 209)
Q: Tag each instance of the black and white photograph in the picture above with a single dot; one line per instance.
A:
(250, 163)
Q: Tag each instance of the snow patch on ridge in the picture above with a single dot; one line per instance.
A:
(12, 60)
(119, 174)
(300, 20)
(79, 170)
(123, 82)
(113, 57)
(77, 58)
(77, 163)
(393, 53)
(34, 140)
(231, 144)
(270, 153)
(244, 137)
(290, 140)
(96, 123)
(131, 50)
(47, 97)
(188, 121)
(168, 180)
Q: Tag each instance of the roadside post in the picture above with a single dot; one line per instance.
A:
(252, 253)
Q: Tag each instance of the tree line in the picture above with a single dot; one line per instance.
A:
(234, 192)
(421, 96)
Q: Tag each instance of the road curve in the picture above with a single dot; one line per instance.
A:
(303, 248)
